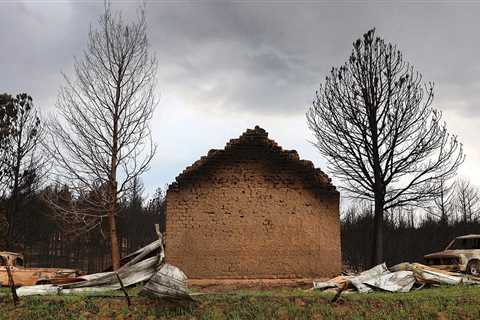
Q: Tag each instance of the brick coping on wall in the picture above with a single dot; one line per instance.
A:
(259, 136)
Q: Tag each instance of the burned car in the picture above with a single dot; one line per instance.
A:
(23, 276)
(462, 254)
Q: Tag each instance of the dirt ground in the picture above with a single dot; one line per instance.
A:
(230, 285)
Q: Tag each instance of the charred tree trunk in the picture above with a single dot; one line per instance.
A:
(377, 247)
(113, 229)
(12, 211)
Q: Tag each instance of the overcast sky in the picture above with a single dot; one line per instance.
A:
(225, 67)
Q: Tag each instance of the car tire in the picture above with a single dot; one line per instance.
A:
(473, 268)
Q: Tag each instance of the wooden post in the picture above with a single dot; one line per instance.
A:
(12, 286)
(123, 289)
(339, 292)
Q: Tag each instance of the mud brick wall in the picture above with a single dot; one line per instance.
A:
(253, 210)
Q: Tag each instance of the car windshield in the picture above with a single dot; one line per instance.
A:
(19, 262)
(465, 244)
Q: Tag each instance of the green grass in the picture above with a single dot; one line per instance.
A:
(461, 302)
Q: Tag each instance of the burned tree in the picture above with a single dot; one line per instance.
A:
(373, 120)
(443, 205)
(101, 138)
(7, 129)
(7, 118)
(25, 166)
(467, 201)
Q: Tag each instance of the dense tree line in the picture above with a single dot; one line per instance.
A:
(30, 222)
(48, 242)
(21, 163)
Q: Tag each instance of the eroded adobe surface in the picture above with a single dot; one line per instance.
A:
(253, 210)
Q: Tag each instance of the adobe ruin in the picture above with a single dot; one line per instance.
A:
(253, 211)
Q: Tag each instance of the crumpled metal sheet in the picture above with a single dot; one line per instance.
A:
(133, 274)
(168, 282)
(141, 267)
(400, 281)
(399, 278)
(369, 275)
(38, 290)
(357, 281)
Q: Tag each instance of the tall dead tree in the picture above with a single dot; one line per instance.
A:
(467, 200)
(443, 206)
(101, 139)
(373, 120)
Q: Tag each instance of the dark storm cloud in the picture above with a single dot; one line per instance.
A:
(224, 65)
(265, 57)
(38, 41)
(248, 56)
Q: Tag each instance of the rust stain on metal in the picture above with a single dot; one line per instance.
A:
(30, 276)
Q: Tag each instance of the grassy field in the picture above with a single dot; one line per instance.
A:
(437, 303)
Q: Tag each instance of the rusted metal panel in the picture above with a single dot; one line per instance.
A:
(457, 255)
(11, 259)
(30, 276)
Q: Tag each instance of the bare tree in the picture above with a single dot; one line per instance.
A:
(467, 200)
(26, 162)
(443, 205)
(101, 139)
(373, 120)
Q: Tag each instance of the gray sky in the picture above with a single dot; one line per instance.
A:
(225, 67)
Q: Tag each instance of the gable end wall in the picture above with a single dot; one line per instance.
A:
(252, 218)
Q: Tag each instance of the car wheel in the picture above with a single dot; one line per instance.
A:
(473, 268)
